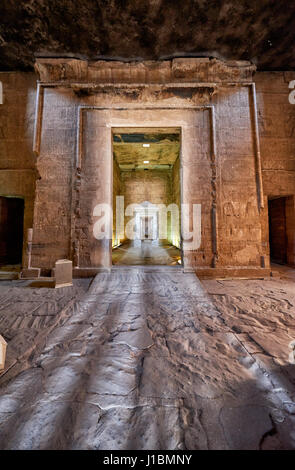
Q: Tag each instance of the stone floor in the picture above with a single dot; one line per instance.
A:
(147, 359)
(143, 252)
(28, 315)
(259, 312)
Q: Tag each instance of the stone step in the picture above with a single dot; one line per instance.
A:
(8, 275)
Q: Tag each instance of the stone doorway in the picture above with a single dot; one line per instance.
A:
(11, 230)
(146, 188)
(281, 229)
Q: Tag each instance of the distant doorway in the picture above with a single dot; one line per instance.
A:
(11, 230)
(146, 227)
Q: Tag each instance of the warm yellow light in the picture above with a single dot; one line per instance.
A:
(145, 145)
(146, 161)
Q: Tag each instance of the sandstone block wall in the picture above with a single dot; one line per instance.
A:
(239, 217)
(17, 160)
(155, 186)
(152, 185)
(276, 116)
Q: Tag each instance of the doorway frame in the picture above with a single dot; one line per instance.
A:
(108, 122)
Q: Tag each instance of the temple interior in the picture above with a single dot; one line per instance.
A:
(147, 225)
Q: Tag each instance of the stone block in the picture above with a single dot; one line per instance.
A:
(29, 273)
(3, 346)
(63, 273)
(292, 353)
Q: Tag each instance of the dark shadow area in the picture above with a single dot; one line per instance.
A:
(277, 230)
(11, 230)
(281, 215)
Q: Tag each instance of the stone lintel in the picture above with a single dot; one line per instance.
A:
(189, 70)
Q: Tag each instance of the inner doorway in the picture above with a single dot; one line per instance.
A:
(146, 190)
(11, 230)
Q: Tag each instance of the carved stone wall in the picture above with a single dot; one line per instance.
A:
(223, 159)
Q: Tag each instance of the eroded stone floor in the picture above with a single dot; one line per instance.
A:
(146, 252)
(28, 315)
(260, 312)
(147, 359)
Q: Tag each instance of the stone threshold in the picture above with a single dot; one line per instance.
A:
(89, 272)
(202, 273)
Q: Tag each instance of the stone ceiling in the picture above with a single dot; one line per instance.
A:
(261, 31)
(160, 147)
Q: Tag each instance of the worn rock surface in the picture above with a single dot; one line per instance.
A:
(261, 31)
(27, 315)
(261, 313)
(145, 361)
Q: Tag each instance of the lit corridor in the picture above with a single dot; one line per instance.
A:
(142, 252)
